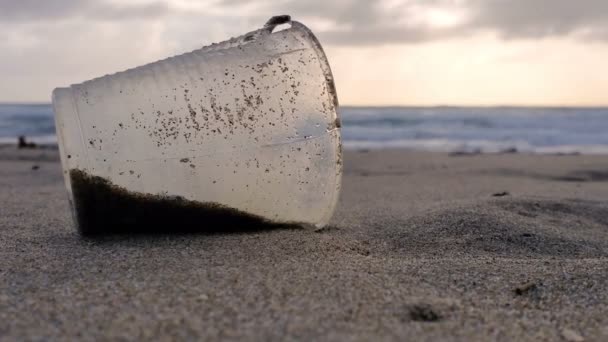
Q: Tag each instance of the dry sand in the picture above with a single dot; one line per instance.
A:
(419, 249)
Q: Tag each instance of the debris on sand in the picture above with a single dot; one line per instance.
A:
(23, 143)
(525, 289)
(423, 313)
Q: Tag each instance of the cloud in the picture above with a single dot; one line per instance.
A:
(35, 10)
(351, 22)
(361, 22)
(364, 22)
(53, 43)
(56, 42)
(531, 19)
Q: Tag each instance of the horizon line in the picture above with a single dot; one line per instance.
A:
(548, 106)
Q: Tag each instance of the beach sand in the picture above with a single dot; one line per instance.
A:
(423, 246)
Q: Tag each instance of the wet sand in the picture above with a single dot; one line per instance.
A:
(423, 246)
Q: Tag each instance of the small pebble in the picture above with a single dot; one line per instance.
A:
(571, 335)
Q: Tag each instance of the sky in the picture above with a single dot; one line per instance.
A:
(392, 52)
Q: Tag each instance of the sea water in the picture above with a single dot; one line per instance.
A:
(446, 129)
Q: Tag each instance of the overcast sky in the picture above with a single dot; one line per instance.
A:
(393, 52)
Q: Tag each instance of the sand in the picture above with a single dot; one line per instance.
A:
(423, 246)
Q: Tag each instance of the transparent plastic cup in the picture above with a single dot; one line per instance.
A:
(236, 134)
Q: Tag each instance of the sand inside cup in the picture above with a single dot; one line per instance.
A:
(104, 207)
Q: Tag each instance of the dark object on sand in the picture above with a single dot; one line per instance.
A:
(423, 313)
(103, 207)
(35, 167)
(23, 143)
(521, 290)
(510, 150)
(465, 153)
(501, 194)
(531, 290)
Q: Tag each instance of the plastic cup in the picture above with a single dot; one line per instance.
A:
(234, 135)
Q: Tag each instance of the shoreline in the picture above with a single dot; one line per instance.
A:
(55, 146)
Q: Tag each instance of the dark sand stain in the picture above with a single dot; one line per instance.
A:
(464, 153)
(373, 173)
(579, 176)
(530, 290)
(584, 176)
(423, 313)
(327, 229)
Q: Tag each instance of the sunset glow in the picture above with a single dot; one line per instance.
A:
(382, 53)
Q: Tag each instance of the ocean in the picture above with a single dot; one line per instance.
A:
(35, 121)
(445, 129)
